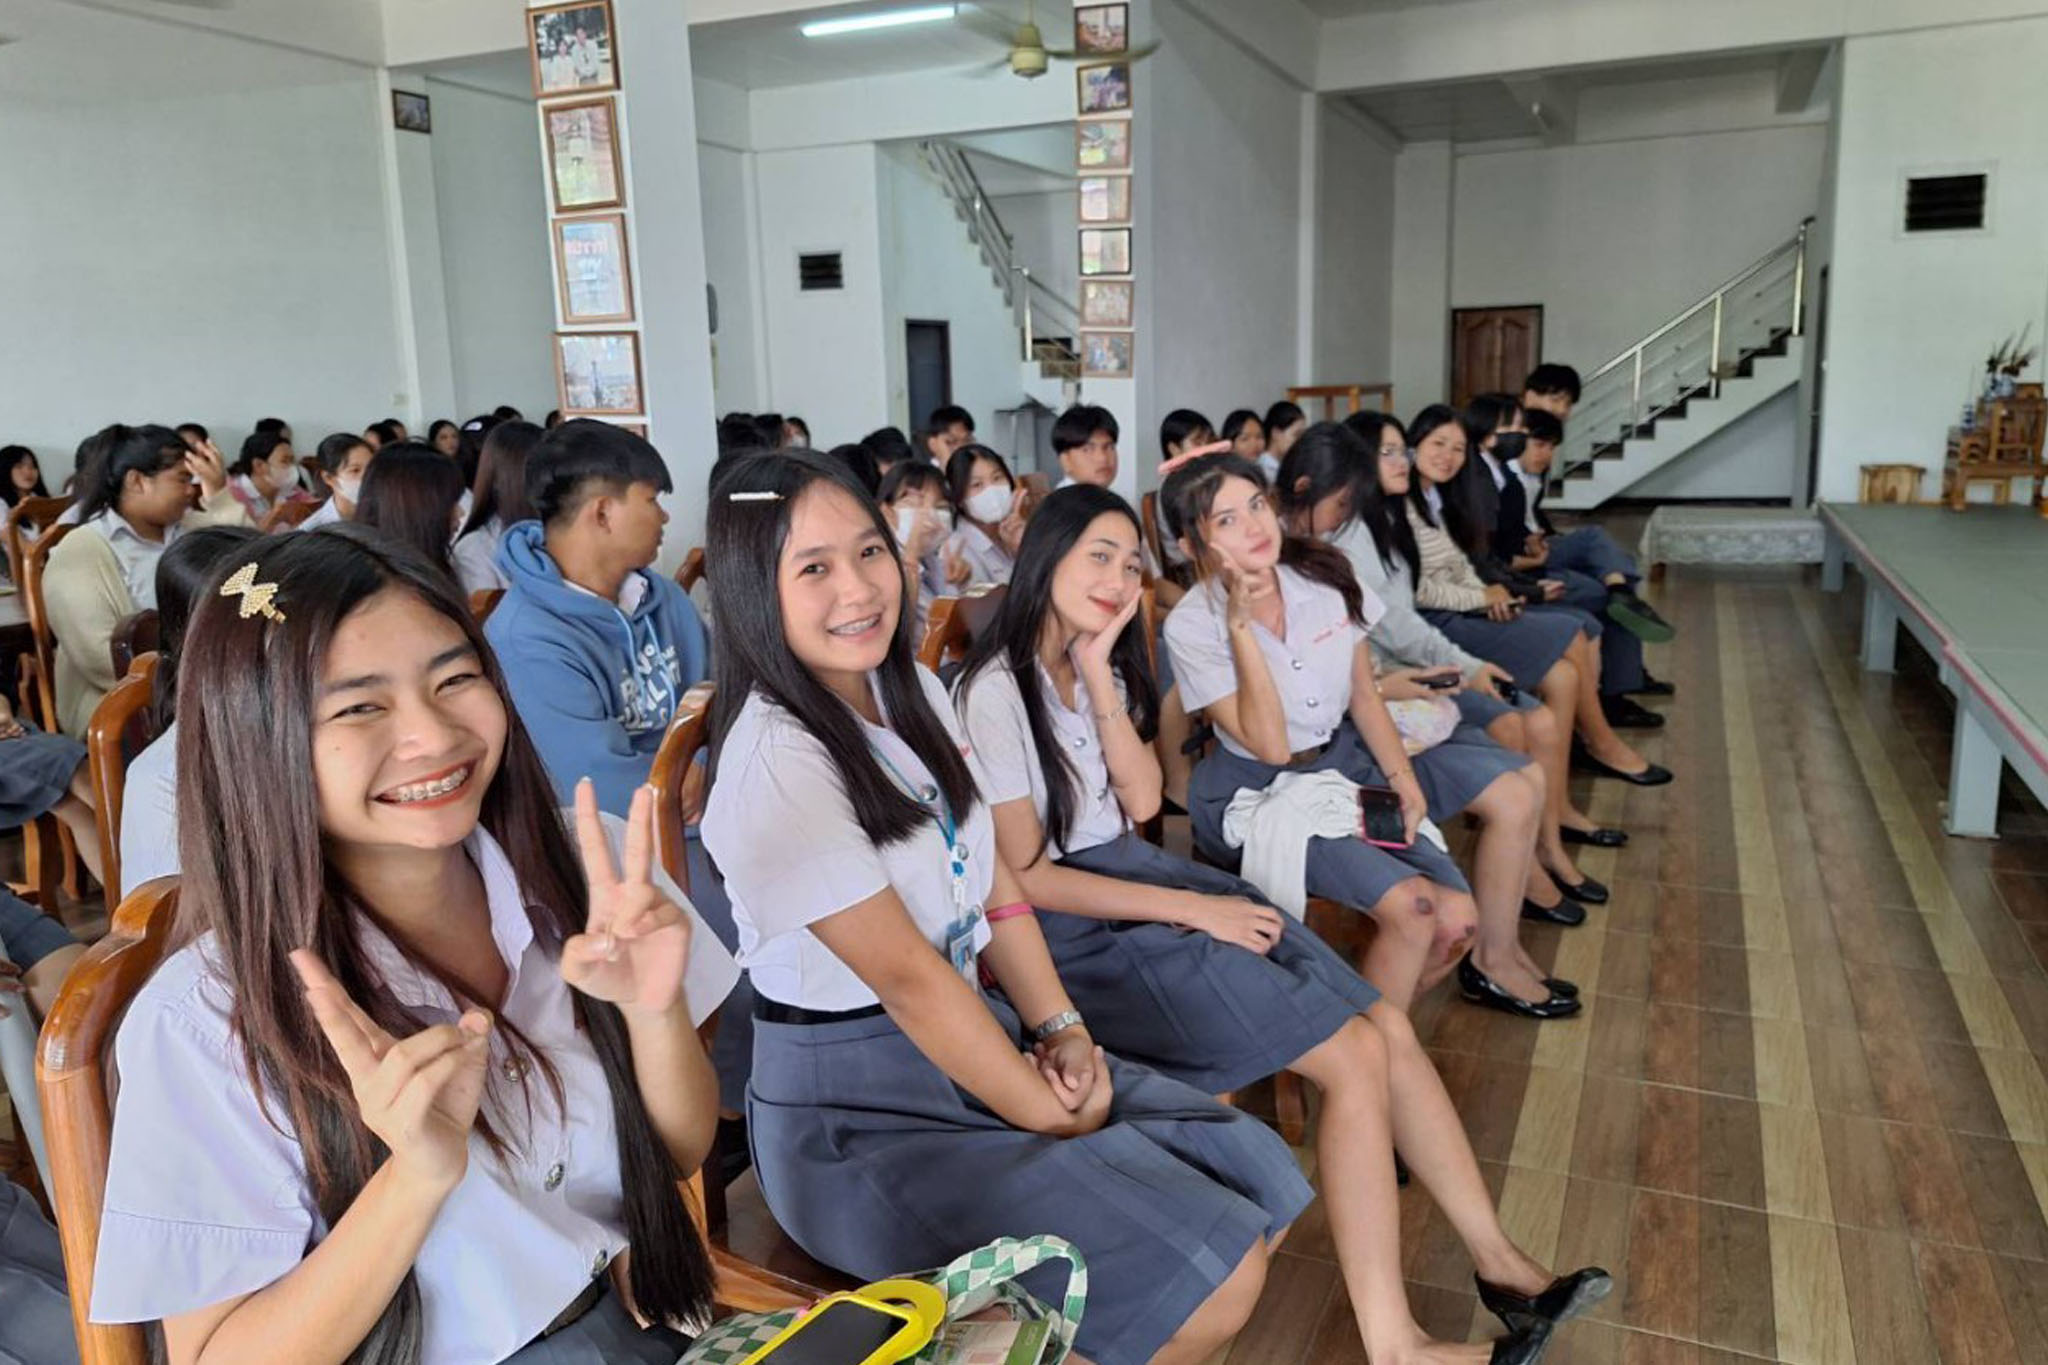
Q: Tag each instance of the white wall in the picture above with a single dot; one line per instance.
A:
(217, 255)
(1420, 321)
(730, 260)
(1911, 318)
(1353, 274)
(496, 270)
(1755, 456)
(1614, 238)
(1043, 234)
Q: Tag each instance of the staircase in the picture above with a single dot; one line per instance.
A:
(1048, 326)
(1715, 362)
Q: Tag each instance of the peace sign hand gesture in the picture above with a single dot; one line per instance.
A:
(419, 1095)
(636, 943)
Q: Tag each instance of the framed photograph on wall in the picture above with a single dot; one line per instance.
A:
(598, 373)
(413, 113)
(1108, 303)
(1105, 251)
(1103, 29)
(1105, 198)
(572, 48)
(583, 155)
(1104, 89)
(1107, 355)
(595, 281)
(1102, 144)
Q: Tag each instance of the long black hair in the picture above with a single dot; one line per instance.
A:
(1385, 517)
(409, 495)
(145, 450)
(1469, 500)
(187, 569)
(1012, 642)
(960, 474)
(501, 477)
(1190, 491)
(10, 458)
(256, 876)
(744, 537)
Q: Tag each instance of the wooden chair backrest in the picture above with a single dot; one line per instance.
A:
(122, 718)
(2016, 430)
(1329, 395)
(287, 515)
(29, 519)
(691, 571)
(483, 602)
(72, 1059)
(135, 636)
(35, 558)
(1148, 528)
(688, 731)
(954, 620)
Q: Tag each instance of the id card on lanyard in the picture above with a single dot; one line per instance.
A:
(967, 917)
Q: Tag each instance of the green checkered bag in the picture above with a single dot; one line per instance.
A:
(984, 1278)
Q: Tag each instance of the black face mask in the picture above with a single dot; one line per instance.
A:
(1509, 445)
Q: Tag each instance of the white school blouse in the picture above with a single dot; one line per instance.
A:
(475, 557)
(328, 513)
(1311, 667)
(149, 813)
(987, 561)
(207, 1200)
(782, 831)
(993, 712)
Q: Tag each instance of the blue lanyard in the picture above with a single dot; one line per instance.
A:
(966, 918)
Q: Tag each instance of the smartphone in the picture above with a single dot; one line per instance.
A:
(843, 1332)
(1509, 693)
(1441, 682)
(1380, 810)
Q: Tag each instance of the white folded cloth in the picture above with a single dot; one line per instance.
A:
(1273, 825)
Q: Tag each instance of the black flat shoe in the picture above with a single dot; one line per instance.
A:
(1563, 1299)
(1523, 1347)
(1558, 986)
(1565, 913)
(1477, 987)
(1625, 713)
(1652, 776)
(1595, 838)
(1654, 687)
(1587, 892)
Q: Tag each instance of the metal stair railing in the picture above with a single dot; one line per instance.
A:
(1691, 355)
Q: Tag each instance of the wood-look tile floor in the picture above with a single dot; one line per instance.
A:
(1803, 1116)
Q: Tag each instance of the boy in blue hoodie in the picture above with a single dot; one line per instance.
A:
(597, 650)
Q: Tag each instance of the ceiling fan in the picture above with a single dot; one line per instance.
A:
(1029, 57)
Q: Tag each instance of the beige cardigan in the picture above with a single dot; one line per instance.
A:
(86, 597)
(1449, 582)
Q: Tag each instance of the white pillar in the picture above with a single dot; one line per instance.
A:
(1421, 327)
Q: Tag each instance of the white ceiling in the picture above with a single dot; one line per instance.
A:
(100, 57)
(769, 51)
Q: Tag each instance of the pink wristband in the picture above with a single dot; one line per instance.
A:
(1003, 912)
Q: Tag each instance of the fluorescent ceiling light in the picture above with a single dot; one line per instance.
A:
(862, 23)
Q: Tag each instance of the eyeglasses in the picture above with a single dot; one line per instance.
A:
(1396, 453)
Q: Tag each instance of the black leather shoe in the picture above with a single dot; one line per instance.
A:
(1563, 1299)
(1569, 990)
(1654, 687)
(1565, 913)
(1625, 713)
(1652, 776)
(1587, 892)
(1477, 987)
(1596, 838)
(1523, 1347)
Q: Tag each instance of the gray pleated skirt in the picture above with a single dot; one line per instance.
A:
(1212, 1014)
(1526, 647)
(877, 1164)
(606, 1335)
(35, 774)
(35, 1311)
(1454, 772)
(1349, 871)
(1481, 707)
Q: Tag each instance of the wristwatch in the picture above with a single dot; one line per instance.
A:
(1065, 1019)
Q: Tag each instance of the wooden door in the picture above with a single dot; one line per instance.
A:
(1493, 350)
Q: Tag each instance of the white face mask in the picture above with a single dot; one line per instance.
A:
(991, 503)
(349, 488)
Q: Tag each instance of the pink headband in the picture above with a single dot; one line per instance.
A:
(1213, 448)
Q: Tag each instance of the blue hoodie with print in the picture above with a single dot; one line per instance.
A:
(595, 685)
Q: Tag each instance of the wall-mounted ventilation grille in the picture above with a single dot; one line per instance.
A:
(1946, 203)
(820, 270)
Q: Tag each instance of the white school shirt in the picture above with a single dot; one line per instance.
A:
(135, 556)
(1311, 668)
(149, 813)
(1532, 489)
(207, 1200)
(993, 712)
(781, 829)
(476, 558)
(1494, 470)
(327, 513)
(987, 561)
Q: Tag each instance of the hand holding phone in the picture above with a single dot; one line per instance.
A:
(1383, 824)
(1447, 681)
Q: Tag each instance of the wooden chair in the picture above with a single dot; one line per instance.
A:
(39, 669)
(483, 602)
(287, 515)
(73, 1083)
(136, 636)
(737, 1216)
(2005, 445)
(1891, 483)
(29, 519)
(1329, 395)
(122, 724)
(956, 621)
(50, 855)
(691, 571)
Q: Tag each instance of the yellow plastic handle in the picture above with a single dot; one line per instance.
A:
(924, 1301)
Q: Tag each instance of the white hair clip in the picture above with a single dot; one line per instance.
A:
(763, 495)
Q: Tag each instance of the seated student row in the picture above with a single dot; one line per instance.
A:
(312, 586)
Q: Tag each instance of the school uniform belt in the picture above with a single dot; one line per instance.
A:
(1310, 754)
(578, 1306)
(774, 1012)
